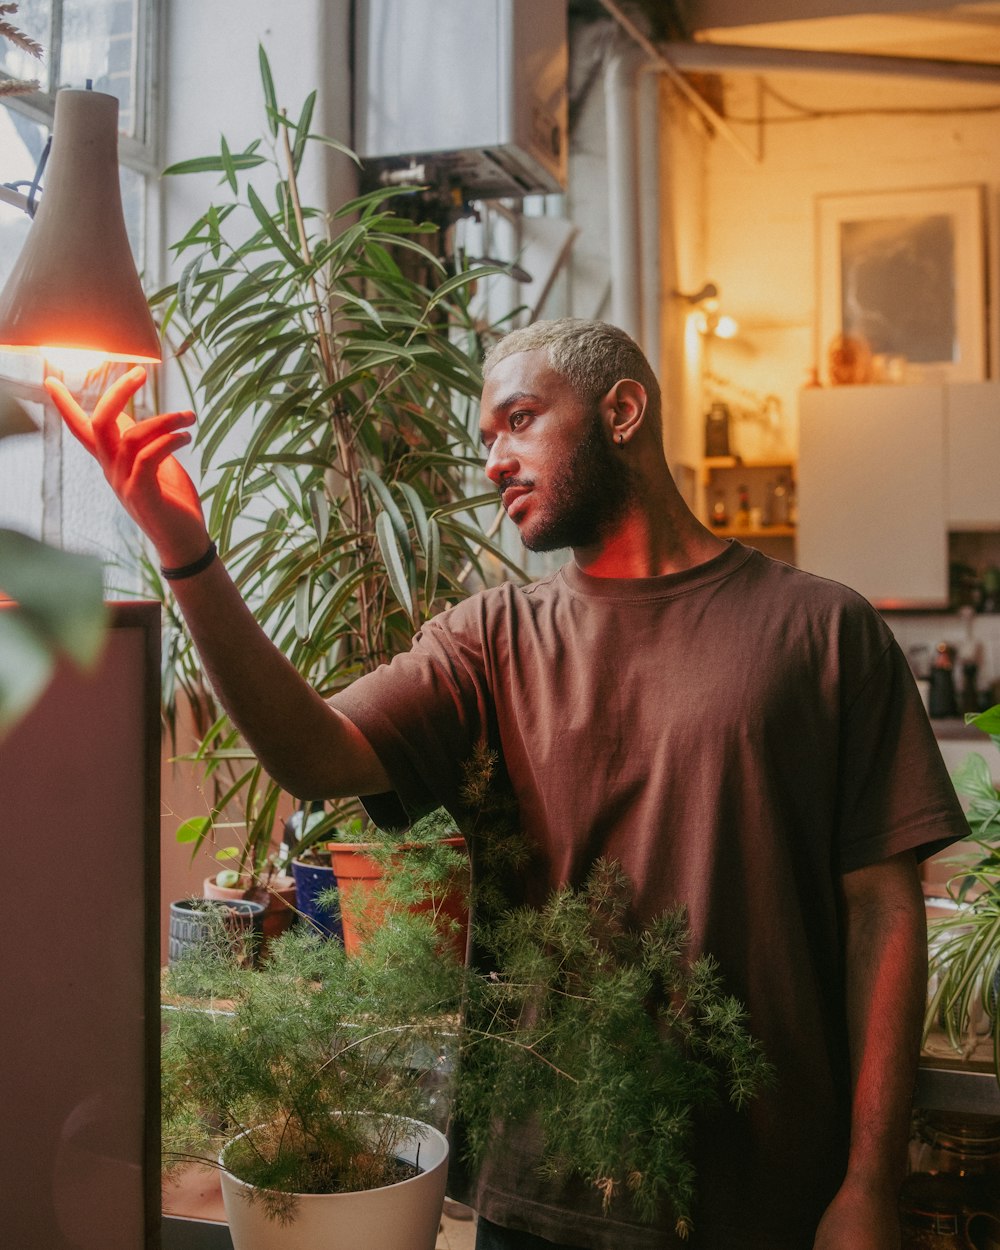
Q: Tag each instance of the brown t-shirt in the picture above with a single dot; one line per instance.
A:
(735, 736)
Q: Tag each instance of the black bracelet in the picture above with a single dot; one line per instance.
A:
(189, 570)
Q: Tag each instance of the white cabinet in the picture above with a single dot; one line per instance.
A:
(872, 510)
(885, 472)
(972, 456)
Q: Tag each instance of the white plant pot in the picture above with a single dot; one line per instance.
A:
(404, 1216)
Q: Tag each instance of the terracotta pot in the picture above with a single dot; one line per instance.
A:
(404, 1216)
(358, 877)
(278, 898)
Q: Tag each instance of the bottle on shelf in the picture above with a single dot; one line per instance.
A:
(720, 513)
(742, 517)
(943, 699)
(778, 510)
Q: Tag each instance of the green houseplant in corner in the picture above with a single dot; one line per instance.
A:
(333, 361)
(964, 951)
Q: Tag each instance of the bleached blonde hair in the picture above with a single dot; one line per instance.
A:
(591, 355)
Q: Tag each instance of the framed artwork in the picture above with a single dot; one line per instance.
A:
(901, 286)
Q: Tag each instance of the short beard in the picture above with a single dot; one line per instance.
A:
(592, 496)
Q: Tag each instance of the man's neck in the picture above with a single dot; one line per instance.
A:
(650, 544)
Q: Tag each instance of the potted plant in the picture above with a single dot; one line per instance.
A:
(339, 353)
(306, 1088)
(964, 947)
(370, 886)
(320, 1066)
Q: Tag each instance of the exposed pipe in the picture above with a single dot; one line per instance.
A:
(650, 268)
(716, 122)
(623, 190)
(732, 58)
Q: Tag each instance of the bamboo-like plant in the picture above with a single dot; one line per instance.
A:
(340, 356)
(964, 947)
(610, 1038)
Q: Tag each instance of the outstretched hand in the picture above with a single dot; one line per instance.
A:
(138, 461)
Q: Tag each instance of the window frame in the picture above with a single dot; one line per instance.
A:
(139, 153)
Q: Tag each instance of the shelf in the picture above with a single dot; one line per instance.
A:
(745, 531)
(711, 464)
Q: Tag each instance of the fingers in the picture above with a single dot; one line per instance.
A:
(144, 447)
(74, 416)
(118, 394)
(104, 422)
(138, 471)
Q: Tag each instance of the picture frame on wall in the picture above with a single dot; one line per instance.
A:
(901, 286)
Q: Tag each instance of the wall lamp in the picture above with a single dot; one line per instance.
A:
(75, 285)
(705, 305)
(707, 295)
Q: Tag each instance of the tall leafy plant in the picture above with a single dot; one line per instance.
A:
(333, 361)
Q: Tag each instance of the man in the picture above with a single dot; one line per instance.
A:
(739, 735)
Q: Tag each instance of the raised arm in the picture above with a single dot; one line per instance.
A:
(886, 989)
(304, 744)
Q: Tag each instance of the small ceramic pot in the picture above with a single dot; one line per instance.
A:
(190, 921)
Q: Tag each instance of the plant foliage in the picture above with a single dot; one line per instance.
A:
(609, 1037)
(338, 353)
(964, 948)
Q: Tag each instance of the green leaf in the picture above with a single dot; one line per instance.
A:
(271, 230)
(61, 594)
(417, 511)
(464, 280)
(972, 778)
(394, 566)
(216, 164)
(431, 571)
(302, 589)
(194, 830)
(302, 130)
(319, 506)
(186, 284)
(26, 664)
(988, 721)
(389, 506)
(267, 81)
(229, 168)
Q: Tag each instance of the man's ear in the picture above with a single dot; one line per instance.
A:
(624, 407)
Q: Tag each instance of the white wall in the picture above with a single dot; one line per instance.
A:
(760, 217)
(212, 87)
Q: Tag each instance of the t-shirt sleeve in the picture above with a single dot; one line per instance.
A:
(895, 792)
(423, 714)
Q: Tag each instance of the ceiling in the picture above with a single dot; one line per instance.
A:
(934, 59)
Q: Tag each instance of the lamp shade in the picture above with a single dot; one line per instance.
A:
(75, 283)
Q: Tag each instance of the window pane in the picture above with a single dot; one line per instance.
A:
(33, 18)
(99, 44)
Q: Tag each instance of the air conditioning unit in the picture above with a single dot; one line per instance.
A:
(474, 92)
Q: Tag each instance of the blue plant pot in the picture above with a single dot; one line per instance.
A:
(310, 881)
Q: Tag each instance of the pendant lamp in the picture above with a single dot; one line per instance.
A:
(75, 283)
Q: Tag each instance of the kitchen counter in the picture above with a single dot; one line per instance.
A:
(947, 1081)
(949, 727)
